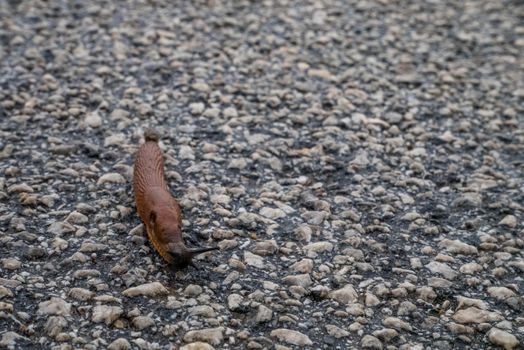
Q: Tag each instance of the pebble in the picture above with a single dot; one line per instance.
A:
(264, 314)
(76, 218)
(152, 289)
(336, 332)
(396, 323)
(457, 247)
(106, 313)
(119, 344)
(213, 336)
(142, 322)
(197, 108)
(370, 342)
(291, 337)
(272, 213)
(442, 269)
(192, 290)
(254, 260)
(11, 264)
(503, 339)
(60, 227)
(93, 120)
(20, 188)
(197, 346)
(302, 280)
(9, 339)
(476, 315)
(202, 310)
(344, 295)
(234, 301)
(54, 306)
(319, 247)
(509, 221)
(501, 293)
(81, 294)
(111, 178)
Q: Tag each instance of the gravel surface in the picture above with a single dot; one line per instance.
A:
(360, 164)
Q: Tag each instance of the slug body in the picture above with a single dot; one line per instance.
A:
(156, 207)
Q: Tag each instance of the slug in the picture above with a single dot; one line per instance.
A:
(156, 206)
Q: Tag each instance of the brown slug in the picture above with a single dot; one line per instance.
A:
(156, 207)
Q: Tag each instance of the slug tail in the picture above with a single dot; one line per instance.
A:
(151, 134)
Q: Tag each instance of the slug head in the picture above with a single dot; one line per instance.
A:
(183, 256)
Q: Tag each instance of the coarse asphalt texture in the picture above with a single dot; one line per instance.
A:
(360, 164)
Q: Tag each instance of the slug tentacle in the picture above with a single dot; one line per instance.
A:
(156, 207)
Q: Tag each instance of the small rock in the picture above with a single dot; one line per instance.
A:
(238, 163)
(264, 314)
(114, 140)
(106, 313)
(197, 108)
(186, 152)
(501, 293)
(234, 301)
(202, 310)
(193, 290)
(336, 332)
(509, 221)
(471, 268)
(81, 294)
(457, 247)
(268, 247)
(5, 292)
(503, 339)
(119, 114)
(437, 282)
(11, 264)
(90, 247)
(213, 336)
(291, 337)
(76, 218)
(254, 260)
(476, 315)
(20, 188)
(314, 217)
(303, 233)
(396, 323)
(303, 266)
(272, 213)
(111, 178)
(319, 247)
(197, 346)
(93, 120)
(370, 342)
(230, 112)
(303, 280)
(54, 306)
(344, 295)
(466, 302)
(148, 289)
(412, 216)
(119, 344)
(60, 227)
(371, 300)
(142, 322)
(443, 269)
(54, 325)
(386, 334)
(9, 339)
(320, 73)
